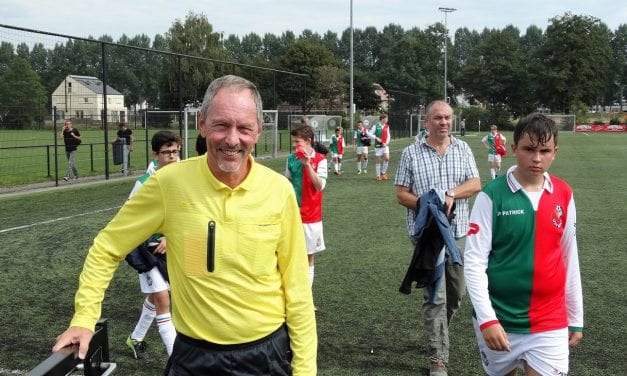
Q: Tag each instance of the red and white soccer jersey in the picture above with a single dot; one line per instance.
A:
(521, 262)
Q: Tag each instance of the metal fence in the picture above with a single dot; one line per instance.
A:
(98, 84)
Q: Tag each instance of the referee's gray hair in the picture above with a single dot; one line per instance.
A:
(235, 83)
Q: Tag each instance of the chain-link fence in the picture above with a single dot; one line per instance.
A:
(48, 78)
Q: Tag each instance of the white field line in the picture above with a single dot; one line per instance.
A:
(4, 371)
(58, 219)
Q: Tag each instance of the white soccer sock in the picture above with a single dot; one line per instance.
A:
(311, 274)
(359, 166)
(385, 167)
(377, 168)
(145, 320)
(340, 166)
(364, 164)
(493, 173)
(166, 331)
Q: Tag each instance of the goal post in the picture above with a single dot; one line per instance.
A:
(323, 126)
(565, 123)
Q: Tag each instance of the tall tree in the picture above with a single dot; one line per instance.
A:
(306, 57)
(23, 98)
(575, 58)
(618, 70)
(194, 37)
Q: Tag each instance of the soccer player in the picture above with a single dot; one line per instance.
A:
(361, 141)
(307, 170)
(492, 141)
(521, 261)
(337, 150)
(165, 150)
(381, 131)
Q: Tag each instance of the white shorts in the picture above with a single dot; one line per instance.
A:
(362, 150)
(379, 152)
(494, 158)
(314, 238)
(545, 352)
(152, 281)
(336, 155)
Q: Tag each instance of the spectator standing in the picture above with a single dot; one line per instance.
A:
(71, 139)
(442, 162)
(124, 133)
(242, 302)
(522, 268)
(462, 128)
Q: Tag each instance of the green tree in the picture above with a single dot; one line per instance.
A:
(306, 57)
(495, 72)
(618, 69)
(194, 37)
(575, 61)
(23, 98)
(6, 56)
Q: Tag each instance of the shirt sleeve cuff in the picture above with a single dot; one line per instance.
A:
(488, 324)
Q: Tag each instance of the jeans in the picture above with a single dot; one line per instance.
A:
(71, 166)
(437, 316)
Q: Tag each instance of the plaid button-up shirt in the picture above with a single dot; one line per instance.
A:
(421, 169)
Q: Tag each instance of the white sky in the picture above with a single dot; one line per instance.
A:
(132, 17)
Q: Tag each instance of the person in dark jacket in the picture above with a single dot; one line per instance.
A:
(71, 138)
(442, 162)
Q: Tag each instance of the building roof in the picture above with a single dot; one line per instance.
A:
(95, 85)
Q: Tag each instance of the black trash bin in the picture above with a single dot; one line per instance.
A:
(118, 151)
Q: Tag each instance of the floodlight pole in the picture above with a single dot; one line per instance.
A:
(446, 11)
(351, 106)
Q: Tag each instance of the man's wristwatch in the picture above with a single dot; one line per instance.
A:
(450, 194)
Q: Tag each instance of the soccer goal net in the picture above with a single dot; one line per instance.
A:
(323, 125)
(565, 123)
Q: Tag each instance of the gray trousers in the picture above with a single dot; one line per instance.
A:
(71, 166)
(437, 317)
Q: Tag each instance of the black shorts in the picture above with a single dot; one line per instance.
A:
(270, 355)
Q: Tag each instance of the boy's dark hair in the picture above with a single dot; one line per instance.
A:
(164, 138)
(539, 128)
(304, 132)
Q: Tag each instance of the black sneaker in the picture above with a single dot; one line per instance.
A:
(66, 178)
(138, 348)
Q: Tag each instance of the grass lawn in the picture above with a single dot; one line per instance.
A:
(365, 326)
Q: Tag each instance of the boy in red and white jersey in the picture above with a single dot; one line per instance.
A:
(521, 261)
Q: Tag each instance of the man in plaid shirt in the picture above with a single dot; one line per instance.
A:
(444, 163)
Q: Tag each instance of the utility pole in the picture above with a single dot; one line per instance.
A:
(446, 11)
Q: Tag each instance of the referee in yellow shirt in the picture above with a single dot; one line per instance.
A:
(241, 298)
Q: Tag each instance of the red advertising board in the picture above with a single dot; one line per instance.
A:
(601, 128)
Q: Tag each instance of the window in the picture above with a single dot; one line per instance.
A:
(69, 88)
(86, 100)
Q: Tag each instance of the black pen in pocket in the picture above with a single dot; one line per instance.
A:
(211, 246)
